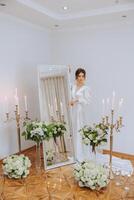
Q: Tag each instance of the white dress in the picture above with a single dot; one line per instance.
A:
(80, 118)
(79, 114)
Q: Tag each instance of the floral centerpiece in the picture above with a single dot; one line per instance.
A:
(50, 157)
(36, 131)
(92, 175)
(16, 166)
(94, 135)
(57, 129)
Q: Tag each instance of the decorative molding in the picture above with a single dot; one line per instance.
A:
(37, 7)
(95, 12)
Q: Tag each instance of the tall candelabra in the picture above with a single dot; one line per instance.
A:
(18, 119)
(114, 125)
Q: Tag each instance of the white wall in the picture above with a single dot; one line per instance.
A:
(107, 53)
(22, 48)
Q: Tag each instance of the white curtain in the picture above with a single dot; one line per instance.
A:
(54, 92)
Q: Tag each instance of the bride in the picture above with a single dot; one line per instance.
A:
(80, 99)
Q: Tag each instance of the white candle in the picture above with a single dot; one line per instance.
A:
(61, 106)
(56, 107)
(25, 101)
(108, 101)
(16, 100)
(113, 100)
(120, 105)
(51, 110)
(103, 107)
(6, 105)
(16, 97)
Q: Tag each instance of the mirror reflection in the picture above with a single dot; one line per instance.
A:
(54, 95)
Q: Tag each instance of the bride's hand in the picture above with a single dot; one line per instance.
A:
(72, 102)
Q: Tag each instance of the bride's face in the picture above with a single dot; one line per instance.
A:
(80, 78)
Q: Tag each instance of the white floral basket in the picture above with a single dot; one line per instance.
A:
(16, 166)
(92, 175)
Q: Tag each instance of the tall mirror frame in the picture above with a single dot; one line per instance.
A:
(54, 95)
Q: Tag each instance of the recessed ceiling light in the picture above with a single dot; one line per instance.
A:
(56, 25)
(124, 16)
(117, 1)
(65, 7)
(2, 4)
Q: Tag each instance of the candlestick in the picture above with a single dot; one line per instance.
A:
(111, 144)
(26, 116)
(18, 126)
(7, 116)
(17, 118)
(107, 120)
(62, 139)
(103, 120)
(117, 125)
(120, 121)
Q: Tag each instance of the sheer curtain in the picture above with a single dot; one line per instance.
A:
(55, 98)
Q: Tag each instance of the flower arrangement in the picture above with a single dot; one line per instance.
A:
(39, 131)
(92, 175)
(50, 157)
(36, 131)
(16, 166)
(94, 135)
(57, 129)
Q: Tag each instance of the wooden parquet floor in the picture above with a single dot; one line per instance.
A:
(58, 184)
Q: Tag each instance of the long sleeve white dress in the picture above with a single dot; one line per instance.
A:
(80, 118)
(80, 111)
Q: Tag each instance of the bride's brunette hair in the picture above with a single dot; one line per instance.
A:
(78, 71)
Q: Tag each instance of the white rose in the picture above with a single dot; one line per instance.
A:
(90, 137)
(83, 179)
(77, 167)
(90, 182)
(86, 141)
(81, 184)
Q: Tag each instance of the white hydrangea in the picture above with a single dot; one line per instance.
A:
(16, 166)
(50, 155)
(92, 175)
(94, 135)
(37, 131)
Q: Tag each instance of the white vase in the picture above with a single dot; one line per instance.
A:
(92, 154)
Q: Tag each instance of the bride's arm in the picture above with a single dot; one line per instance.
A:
(86, 97)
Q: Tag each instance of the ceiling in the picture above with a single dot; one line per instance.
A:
(50, 13)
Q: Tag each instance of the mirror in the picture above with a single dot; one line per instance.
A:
(54, 96)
